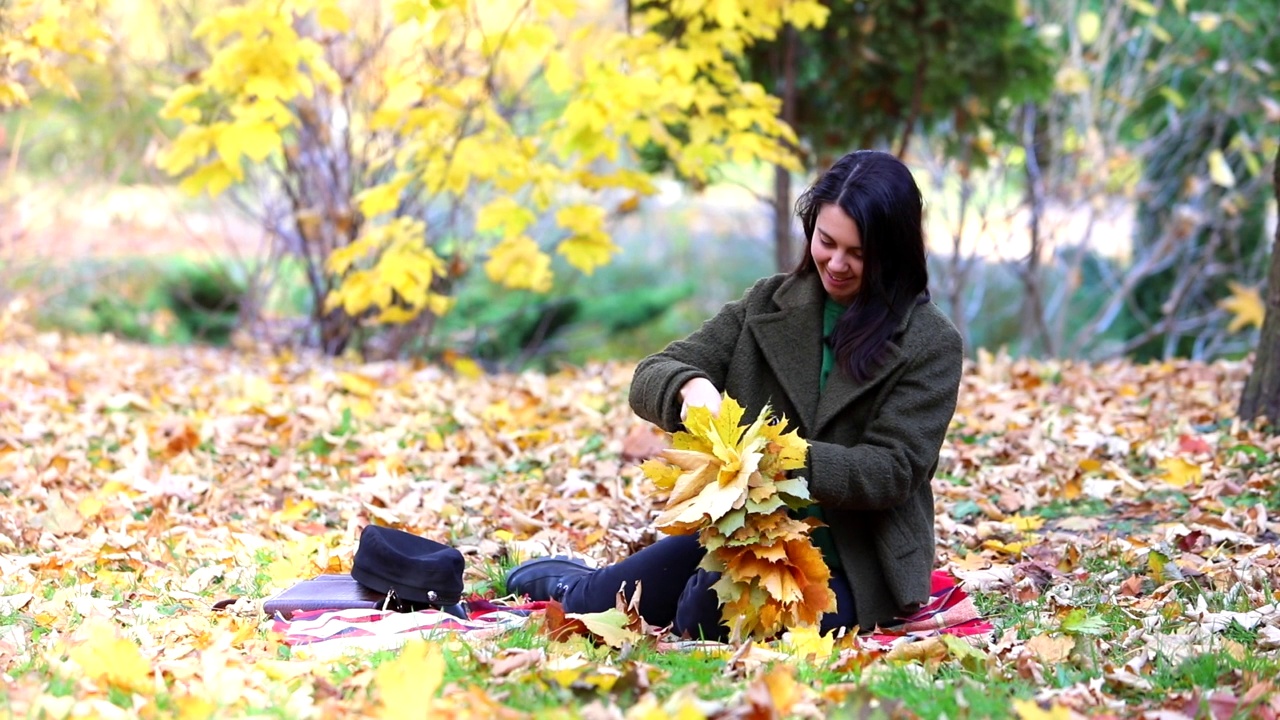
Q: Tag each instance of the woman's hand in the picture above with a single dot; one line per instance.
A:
(699, 392)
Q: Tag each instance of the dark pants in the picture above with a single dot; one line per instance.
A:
(673, 591)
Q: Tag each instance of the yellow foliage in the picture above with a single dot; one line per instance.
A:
(728, 483)
(505, 214)
(587, 252)
(399, 283)
(427, 122)
(518, 262)
(1245, 306)
(383, 198)
(37, 37)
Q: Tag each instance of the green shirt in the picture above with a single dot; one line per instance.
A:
(821, 536)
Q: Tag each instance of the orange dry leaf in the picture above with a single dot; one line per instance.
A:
(775, 693)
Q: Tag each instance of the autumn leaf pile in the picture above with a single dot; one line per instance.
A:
(729, 483)
(1114, 522)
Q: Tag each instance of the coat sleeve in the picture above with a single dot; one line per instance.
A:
(899, 450)
(655, 387)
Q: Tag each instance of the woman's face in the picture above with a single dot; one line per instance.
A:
(836, 247)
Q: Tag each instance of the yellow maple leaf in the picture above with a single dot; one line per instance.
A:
(357, 384)
(331, 17)
(1025, 524)
(106, 657)
(1245, 305)
(587, 252)
(1029, 710)
(695, 470)
(518, 262)
(294, 510)
(785, 450)
(662, 474)
(713, 503)
(506, 214)
(1013, 548)
(463, 365)
(409, 683)
(721, 430)
(1179, 472)
(807, 642)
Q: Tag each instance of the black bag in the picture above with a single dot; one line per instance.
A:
(410, 570)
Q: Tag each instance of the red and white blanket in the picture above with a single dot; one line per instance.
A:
(950, 611)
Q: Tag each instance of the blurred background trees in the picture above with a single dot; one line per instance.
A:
(1261, 395)
(536, 181)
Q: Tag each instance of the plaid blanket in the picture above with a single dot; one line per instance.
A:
(333, 632)
(950, 611)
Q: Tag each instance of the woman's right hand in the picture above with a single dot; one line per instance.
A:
(699, 392)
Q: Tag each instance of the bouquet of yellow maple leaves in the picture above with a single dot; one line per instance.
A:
(729, 484)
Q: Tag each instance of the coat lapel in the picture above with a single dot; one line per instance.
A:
(842, 391)
(790, 340)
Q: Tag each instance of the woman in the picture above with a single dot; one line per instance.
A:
(851, 351)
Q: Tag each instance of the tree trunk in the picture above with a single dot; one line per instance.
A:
(784, 255)
(1262, 391)
(1033, 320)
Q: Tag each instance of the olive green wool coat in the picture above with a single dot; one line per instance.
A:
(873, 447)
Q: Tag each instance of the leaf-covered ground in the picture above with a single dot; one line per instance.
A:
(1113, 522)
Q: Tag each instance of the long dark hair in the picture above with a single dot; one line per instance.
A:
(878, 192)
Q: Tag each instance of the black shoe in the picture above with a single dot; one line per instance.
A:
(543, 578)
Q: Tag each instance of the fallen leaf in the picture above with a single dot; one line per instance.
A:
(1080, 622)
(513, 659)
(1179, 472)
(1194, 445)
(807, 643)
(10, 604)
(408, 684)
(929, 650)
(357, 385)
(1030, 710)
(104, 656)
(776, 692)
(1051, 650)
(60, 519)
(610, 626)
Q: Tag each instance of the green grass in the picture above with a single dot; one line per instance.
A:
(494, 572)
(950, 692)
(165, 300)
